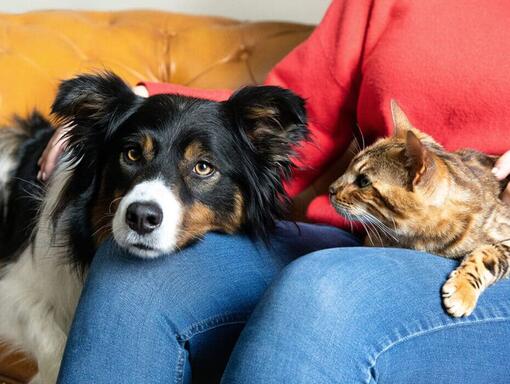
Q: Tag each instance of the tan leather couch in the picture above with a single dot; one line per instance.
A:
(38, 49)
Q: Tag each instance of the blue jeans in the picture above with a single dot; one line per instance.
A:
(336, 315)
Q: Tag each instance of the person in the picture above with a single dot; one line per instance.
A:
(315, 307)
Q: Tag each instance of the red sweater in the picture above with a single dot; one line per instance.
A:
(446, 62)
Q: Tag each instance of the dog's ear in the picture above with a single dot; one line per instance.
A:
(272, 119)
(94, 104)
(272, 122)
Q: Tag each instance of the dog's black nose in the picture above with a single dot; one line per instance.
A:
(144, 217)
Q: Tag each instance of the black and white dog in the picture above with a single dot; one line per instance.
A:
(155, 173)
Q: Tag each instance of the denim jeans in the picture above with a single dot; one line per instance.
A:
(339, 314)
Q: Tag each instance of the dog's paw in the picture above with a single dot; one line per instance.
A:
(459, 296)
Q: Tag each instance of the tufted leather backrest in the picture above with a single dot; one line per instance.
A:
(38, 49)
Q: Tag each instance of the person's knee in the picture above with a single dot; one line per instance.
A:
(340, 269)
(360, 281)
(119, 284)
(221, 275)
(322, 304)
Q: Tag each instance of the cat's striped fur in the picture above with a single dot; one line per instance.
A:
(417, 195)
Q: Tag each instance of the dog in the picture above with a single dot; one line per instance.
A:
(154, 173)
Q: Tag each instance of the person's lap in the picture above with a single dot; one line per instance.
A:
(370, 315)
(334, 312)
(154, 320)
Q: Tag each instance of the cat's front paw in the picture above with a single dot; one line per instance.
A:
(459, 296)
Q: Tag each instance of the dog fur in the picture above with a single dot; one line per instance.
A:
(154, 173)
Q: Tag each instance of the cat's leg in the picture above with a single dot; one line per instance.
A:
(480, 269)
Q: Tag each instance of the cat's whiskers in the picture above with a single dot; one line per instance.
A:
(383, 227)
(356, 147)
(368, 232)
(394, 224)
(375, 231)
(363, 143)
(369, 222)
(376, 224)
(359, 216)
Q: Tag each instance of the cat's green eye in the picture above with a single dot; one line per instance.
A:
(362, 181)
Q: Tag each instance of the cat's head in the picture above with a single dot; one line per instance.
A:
(392, 179)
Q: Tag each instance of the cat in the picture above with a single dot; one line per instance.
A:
(417, 195)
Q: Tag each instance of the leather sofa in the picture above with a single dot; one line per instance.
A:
(37, 49)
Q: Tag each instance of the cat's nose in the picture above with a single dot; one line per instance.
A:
(332, 190)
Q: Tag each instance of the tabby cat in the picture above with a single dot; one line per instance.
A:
(416, 195)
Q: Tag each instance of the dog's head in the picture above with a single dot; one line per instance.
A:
(159, 172)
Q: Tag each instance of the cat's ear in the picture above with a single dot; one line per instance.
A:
(418, 159)
(402, 124)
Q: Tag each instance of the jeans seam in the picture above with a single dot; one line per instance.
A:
(211, 323)
(428, 331)
(200, 327)
(179, 376)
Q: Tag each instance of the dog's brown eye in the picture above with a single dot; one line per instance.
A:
(132, 155)
(362, 181)
(203, 168)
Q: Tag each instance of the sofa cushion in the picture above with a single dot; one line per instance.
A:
(37, 49)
